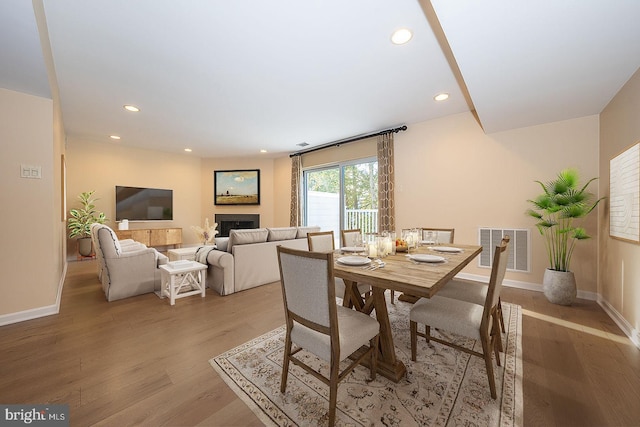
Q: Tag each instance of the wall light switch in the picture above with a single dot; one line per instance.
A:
(29, 171)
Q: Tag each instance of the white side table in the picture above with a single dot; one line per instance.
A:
(182, 279)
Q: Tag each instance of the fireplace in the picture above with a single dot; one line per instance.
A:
(228, 222)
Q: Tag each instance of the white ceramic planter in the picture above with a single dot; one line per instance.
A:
(559, 286)
(84, 246)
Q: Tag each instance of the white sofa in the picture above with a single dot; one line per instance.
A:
(248, 258)
(125, 270)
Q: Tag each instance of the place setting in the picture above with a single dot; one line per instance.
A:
(447, 249)
(426, 259)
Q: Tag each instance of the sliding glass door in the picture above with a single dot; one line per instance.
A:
(342, 196)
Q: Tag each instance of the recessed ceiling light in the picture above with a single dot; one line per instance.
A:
(263, 151)
(188, 150)
(114, 137)
(441, 96)
(401, 36)
(132, 108)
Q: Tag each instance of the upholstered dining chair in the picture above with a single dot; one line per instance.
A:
(322, 241)
(317, 324)
(475, 321)
(444, 235)
(470, 291)
(351, 237)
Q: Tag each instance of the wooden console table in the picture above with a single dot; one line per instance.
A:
(153, 237)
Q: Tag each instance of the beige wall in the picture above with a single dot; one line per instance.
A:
(102, 166)
(619, 260)
(266, 208)
(30, 213)
(448, 174)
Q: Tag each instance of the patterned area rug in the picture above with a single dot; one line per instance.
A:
(444, 387)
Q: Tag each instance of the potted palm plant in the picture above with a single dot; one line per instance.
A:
(561, 203)
(81, 219)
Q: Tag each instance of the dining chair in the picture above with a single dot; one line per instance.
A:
(470, 291)
(476, 321)
(322, 241)
(444, 235)
(351, 237)
(317, 324)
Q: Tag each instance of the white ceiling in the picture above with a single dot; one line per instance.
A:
(228, 78)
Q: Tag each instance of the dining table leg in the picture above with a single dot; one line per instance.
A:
(388, 364)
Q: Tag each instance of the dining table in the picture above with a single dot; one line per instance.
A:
(402, 273)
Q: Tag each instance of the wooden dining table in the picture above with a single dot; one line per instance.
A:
(400, 273)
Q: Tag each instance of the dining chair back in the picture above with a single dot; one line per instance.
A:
(314, 322)
(443, 235)
(321, 241)
(351, 237)
(475, 321)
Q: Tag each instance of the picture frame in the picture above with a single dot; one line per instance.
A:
(236, 187)
(624, 195)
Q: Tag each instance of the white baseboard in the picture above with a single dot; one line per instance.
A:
(630, 331)
(34, 313)
(592, 296)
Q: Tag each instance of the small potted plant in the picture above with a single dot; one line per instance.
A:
(556, 209)
(81, 219)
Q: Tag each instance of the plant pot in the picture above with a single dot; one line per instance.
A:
(84, 246)
(559, 286)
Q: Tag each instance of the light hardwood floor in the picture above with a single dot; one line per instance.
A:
(140, 361)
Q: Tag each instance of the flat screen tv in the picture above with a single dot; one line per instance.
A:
(143, 204)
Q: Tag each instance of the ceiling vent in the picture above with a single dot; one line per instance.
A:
(519, 249)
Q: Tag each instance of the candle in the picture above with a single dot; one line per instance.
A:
(387, 246)
(373, 250)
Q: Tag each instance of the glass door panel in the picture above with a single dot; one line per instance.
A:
(322, 199)
(361, 196)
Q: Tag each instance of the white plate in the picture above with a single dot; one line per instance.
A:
(446, 249)
(354, 260)
(352, 249)
(427, 258)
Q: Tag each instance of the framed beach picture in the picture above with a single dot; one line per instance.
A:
(236, 187)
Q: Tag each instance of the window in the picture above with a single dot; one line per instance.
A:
(342, 196)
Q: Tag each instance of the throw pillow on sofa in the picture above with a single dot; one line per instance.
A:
(282, 233)
(244, 237)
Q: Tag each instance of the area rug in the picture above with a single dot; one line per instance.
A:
(444, 387)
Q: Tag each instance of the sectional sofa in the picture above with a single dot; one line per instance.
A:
(248, 258)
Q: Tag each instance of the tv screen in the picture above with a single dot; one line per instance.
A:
(143, 204)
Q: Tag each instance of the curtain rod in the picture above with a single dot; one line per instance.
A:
(351, 139)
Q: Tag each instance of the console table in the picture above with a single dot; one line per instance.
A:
(153, 236)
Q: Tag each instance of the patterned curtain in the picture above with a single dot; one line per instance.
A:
(295, 217)
(386, 203)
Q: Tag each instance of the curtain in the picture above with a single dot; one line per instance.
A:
(386, 203)
(295, 217)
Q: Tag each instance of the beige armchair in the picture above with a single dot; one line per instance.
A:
(125, 271)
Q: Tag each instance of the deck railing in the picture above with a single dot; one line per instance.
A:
(364, 219)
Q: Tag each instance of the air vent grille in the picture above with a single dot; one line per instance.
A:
(519, 250)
